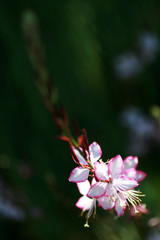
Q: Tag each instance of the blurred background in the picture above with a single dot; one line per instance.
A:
(104, 58)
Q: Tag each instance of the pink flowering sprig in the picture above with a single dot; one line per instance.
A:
(111, 184)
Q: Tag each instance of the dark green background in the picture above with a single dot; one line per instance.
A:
(81, 40)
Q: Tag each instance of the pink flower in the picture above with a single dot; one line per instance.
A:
(129, 169)
(84, 202)
(113, 179)
(141, 208)
(80, 174)
(114, 189)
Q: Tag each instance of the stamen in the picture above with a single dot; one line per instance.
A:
(132, 197)
(82, 213)
(86, 224)
(107, 161)
(94, 213)
(91, 211)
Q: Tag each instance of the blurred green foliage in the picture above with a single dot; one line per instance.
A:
(81, 39)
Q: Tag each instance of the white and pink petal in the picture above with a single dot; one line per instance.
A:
(109, 190)
(106, 203)
(125, 183)
(130, 162)
(131, 173)
(79, 174)
(115, 166)
(97, 190)
(84, 203)
(95, 152)
(140, 175)
(120, 208)
(83, 187)
(81, 159)
(101, 171)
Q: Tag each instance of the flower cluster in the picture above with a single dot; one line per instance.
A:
(110, 183)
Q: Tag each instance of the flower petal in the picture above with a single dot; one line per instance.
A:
(79, 174)
(120, 206)
(84, 187)
(115, 166)
(130, 162)
(101, 171)
(141, 208)
(95, 152)
(140, 175)
(97, 190)
(79, 156)
(109, 190)
(84, 203)
(106, 203)
(131, 173)
(125, 183)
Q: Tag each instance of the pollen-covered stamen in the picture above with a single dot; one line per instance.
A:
(92, 211)
(107, 161)
(134, 205)
(86, 224)
(132, 196)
